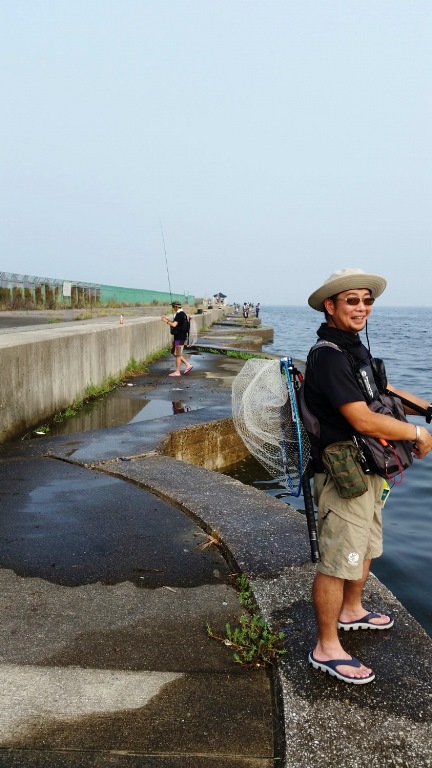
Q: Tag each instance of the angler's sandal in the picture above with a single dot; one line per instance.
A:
(365, 622)
(330, 667)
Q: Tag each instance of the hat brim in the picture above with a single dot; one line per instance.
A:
(374, 283)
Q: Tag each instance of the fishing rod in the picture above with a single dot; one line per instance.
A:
(381, 377)
(294, 379)
(166, 261)
(426, 412)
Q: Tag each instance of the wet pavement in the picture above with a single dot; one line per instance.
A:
(154, 395)
(105, 596)
(76, 527)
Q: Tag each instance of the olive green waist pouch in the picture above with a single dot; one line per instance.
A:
(342, 462)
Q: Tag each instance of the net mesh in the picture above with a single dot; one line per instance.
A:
(193, 332)
(265, 419)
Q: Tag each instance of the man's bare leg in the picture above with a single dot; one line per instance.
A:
(352, 607)
(328, 597)
(178, 360)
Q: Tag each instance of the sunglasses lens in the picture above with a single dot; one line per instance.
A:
(354, 300)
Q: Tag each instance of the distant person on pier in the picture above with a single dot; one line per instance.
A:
(245, 310)
(257, 309)
(179, 328)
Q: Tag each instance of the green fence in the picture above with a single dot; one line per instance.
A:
(29, 292)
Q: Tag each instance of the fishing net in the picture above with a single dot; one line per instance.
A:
(267, 421)
(193, 332)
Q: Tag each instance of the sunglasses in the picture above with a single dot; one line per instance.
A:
(353, 301)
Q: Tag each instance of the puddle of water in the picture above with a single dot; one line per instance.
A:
(250, 472)
(114, 411)
(154, 409)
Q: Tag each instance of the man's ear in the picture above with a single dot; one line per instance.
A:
(329, 306)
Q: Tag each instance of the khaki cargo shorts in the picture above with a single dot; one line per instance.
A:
(349, 530)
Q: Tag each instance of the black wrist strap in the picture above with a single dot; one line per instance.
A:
(429, 414)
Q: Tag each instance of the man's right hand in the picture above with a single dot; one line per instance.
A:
(423, 445)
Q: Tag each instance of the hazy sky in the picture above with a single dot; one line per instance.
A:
(274, 140)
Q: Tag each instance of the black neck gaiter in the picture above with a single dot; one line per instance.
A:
(349, 342)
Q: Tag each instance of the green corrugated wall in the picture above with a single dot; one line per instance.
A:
(139, 295)
(26, 290)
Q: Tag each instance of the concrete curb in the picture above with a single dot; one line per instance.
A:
(325, 722)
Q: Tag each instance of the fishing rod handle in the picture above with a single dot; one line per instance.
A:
(426, 412)
(310, 519)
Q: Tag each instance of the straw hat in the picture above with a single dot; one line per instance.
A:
(176, 304)
(345, 280)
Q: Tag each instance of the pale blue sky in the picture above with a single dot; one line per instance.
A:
(275, 140)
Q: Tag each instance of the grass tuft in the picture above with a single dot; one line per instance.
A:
(253, 642)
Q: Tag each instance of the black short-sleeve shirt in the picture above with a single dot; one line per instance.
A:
(179, 332)
(329, 383)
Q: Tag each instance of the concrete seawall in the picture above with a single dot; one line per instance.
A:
(43, 372)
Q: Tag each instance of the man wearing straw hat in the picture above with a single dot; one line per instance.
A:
(350, 529)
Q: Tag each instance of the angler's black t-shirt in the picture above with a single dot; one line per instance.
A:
(179, 332)
(331, 382)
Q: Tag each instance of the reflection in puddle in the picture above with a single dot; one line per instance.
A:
(115, 411)
(155, 409)
(250, 472)
(179, 407)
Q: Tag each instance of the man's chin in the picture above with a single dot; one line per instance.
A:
(358, 326)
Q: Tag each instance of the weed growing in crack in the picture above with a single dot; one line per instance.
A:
(253, 642)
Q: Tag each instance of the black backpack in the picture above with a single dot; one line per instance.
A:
(183, 327)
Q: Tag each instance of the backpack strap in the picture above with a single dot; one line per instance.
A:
(365, 373)
(324, 343)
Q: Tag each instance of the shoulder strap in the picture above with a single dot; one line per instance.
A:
(364, 372)
(324, 343)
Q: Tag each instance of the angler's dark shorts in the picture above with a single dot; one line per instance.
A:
(349, 530)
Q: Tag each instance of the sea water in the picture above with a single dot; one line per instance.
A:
(401, 337)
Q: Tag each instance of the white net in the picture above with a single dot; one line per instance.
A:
(193, 332)
(267, 422)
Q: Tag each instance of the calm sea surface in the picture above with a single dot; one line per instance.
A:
(401, 336)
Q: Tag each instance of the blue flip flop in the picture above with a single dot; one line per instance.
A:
(365, 622)
(330, 667)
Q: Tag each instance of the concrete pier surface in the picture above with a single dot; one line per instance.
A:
(106, 593)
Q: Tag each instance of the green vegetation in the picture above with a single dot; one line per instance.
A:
(244, 355)
(236, 353)
(91, 392)
(253, 642)
(43, 429)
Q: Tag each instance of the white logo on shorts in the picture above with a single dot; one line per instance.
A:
(353, 558)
